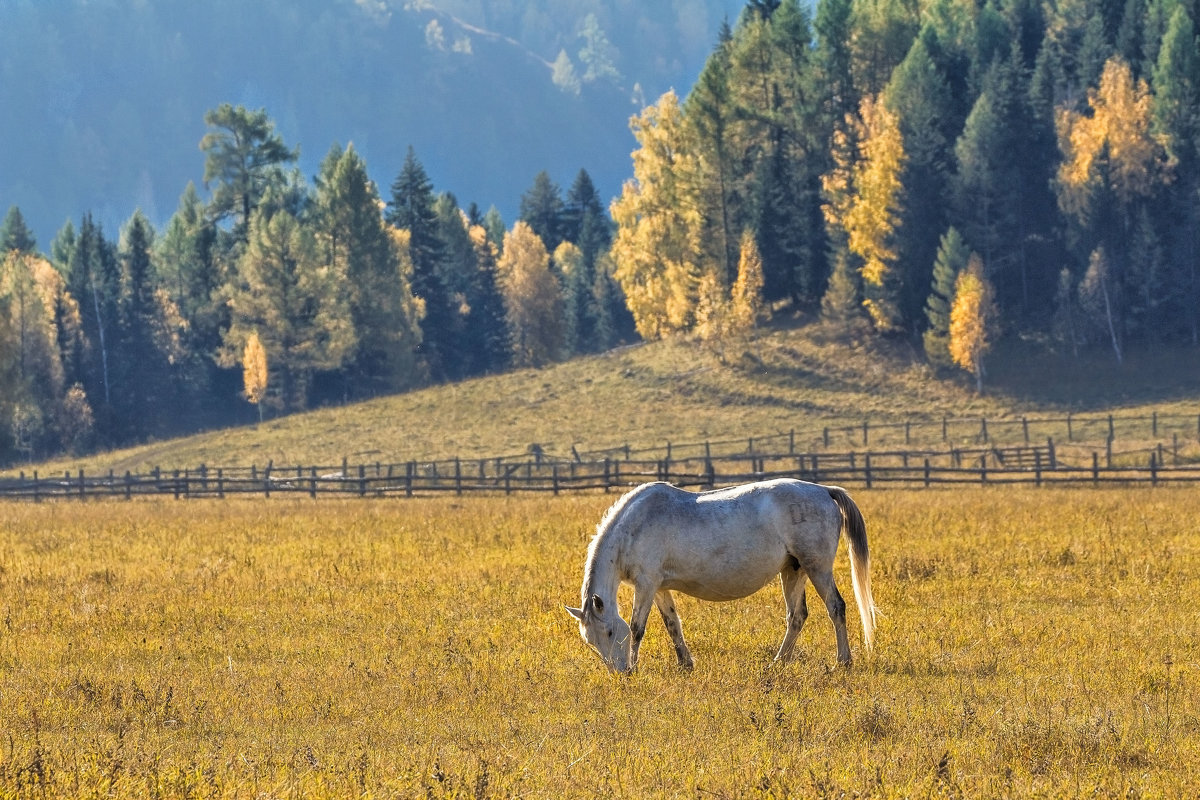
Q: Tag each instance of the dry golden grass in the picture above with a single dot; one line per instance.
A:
(1032, 643)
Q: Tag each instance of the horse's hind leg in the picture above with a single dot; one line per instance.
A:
(666, 606)
(794, 582)
(823, 582)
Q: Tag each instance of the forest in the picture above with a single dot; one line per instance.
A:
(947, 170)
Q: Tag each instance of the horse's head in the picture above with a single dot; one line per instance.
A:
(605, 632)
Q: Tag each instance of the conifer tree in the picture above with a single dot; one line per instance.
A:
(746, 302)
(871, 217)
(953, 257)
(412, 208)
(542, 208)
(255, 375)
(354, 238)
(15, 234)
(973, 319)
(296, 302)
(243, 156)
(532, 299)
(656, 249)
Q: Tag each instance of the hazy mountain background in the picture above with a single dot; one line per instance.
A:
(102, 101)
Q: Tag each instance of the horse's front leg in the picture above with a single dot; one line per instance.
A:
(666, 606)
(643, 599)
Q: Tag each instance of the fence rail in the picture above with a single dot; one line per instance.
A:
(1036, 465)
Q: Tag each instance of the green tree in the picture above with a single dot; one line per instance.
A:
(952, 258)
(243, 156)
(1176, 120)
(15, 234)
(94, 280)
(411, 208)
(542, 209)
(295, 301)
(355, 241)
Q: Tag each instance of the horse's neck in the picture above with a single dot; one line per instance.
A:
(602, 575)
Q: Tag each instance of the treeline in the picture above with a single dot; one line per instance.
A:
(945, 169)
(288, 294)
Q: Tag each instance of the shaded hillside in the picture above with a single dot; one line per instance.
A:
(107, 99)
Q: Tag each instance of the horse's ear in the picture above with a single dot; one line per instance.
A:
(577, 613)
(597, 604)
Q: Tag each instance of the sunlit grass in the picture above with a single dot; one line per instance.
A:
(1031, 643)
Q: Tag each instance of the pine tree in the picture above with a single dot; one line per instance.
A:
(93, 279)
(15, 234)
(488, 342)
(841, 307)
(953, 257)
(412, 209)
(542, 209)
(973, 319)
(295, 301)
(354, 238)
(243, 155)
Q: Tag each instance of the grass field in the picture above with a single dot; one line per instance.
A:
(1032, 643)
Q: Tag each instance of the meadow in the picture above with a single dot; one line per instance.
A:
(1031, 643)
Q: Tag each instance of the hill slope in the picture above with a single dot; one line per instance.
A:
(644, 396)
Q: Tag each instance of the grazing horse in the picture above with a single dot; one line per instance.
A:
(720, 545)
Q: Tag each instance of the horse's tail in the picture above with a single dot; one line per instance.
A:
(860, 560)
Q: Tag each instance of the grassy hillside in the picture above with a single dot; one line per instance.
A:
(786, 379)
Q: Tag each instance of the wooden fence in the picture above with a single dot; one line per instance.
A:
(1034, 465)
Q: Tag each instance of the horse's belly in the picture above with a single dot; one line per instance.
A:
(725, 581)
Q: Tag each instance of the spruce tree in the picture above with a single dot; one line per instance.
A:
(15, 234)
(953, 255)
(412, 209)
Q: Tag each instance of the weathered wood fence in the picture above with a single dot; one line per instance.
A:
(1034, 465)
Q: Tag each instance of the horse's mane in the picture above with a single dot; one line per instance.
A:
(605, 525)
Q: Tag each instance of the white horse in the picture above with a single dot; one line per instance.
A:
(720, 545)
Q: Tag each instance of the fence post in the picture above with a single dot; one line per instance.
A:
(458, 476)
(1095, 468)
(1153, 470)
(983, 468)
(37, 497)
(1070, 432)
(1037, 467)
(983, 429)
(826, 437)
(221, 483)
(175, 482)
(553, 477)
(409, 469)
(867, 469)
(128, 485)
(907, 431)
(1053, 457)
(312, 483)
(1025, 428)
(792, 442)
(1154, 424)
(1108, 452)
(81, 487)
(362, 481)
(710, 474)
(1111, 432)
(816, 475)
(865, 425)
(927, 473)
(945, 425)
